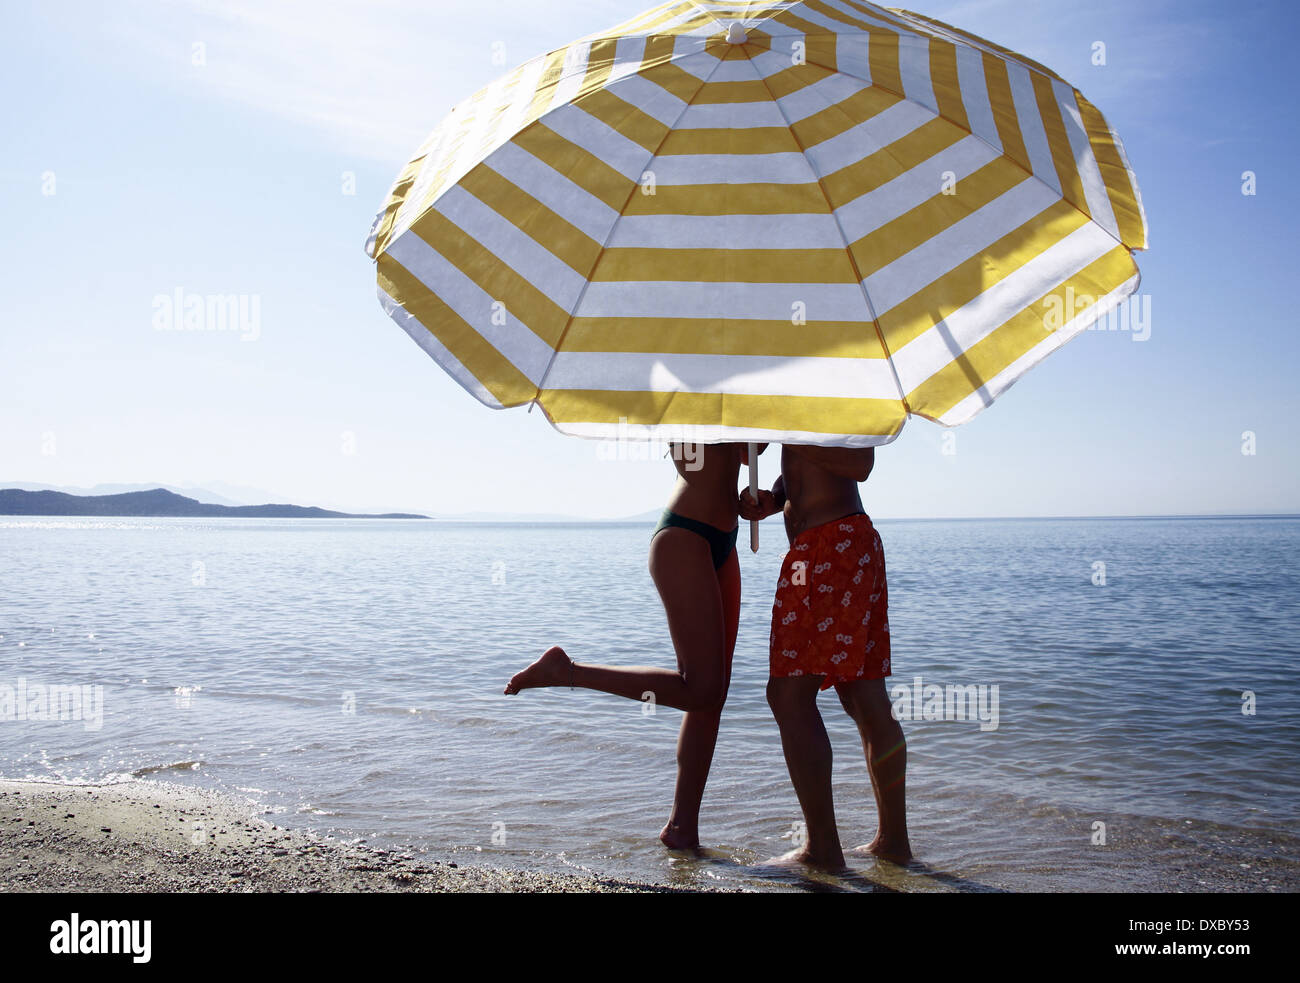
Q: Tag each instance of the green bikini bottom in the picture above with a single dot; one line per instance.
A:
(720, 543)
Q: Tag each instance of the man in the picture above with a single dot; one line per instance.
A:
(830, 628)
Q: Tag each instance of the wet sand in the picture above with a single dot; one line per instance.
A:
(152, 836)
(155, 837)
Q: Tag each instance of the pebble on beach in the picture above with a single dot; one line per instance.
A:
(152, 849)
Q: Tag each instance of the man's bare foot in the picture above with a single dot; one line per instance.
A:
(554, 668)
(676, 838)
(898, 853)
(803, 857)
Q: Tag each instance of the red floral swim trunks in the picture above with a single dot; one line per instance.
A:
(830, 615)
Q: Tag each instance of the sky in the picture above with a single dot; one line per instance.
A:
(161, 149)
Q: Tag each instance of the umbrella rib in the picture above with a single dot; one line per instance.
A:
(1002, 154)
(541, 383)
(871, 308)
(954, 37)
(707, 14)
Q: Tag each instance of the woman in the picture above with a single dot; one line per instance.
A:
(694, 566)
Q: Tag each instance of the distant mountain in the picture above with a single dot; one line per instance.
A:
(525, 517)
(161, 502)
(230, 494)
(205, 495)
(651, 516)
(543, 517)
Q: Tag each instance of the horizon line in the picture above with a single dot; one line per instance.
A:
(554, 517)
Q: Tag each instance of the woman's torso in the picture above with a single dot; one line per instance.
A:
(706, 483)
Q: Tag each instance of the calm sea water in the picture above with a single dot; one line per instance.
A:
(347, 676)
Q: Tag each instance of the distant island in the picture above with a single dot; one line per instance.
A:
(160, 503)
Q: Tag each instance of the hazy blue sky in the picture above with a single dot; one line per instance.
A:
(131, 172)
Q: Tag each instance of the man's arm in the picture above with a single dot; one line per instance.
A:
(846, 462)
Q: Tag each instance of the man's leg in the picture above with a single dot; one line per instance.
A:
(867, 702)
(793, 700)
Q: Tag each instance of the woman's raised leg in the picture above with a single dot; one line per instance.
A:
(682, 568)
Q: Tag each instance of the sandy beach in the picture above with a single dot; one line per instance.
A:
(151, 836)
(156, 837)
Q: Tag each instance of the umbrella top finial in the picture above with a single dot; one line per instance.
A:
(736, 33)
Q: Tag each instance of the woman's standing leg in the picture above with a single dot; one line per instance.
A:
(699, 732)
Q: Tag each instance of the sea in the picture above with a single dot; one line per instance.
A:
(1089, 704)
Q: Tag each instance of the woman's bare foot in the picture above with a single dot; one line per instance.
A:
(803, 857)
(899, 853)
(554, 668)
(676, 838)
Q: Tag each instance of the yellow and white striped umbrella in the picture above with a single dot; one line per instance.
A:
(787, 221)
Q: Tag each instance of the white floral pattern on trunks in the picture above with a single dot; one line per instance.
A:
(823, 588)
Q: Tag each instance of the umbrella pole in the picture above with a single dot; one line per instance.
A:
(753, 493)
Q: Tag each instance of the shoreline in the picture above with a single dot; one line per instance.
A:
(148, 836)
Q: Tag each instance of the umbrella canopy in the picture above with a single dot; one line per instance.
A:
(793, 222)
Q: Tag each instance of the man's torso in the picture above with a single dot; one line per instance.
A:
(813, 495)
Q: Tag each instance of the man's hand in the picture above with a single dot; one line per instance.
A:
(765, 506)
